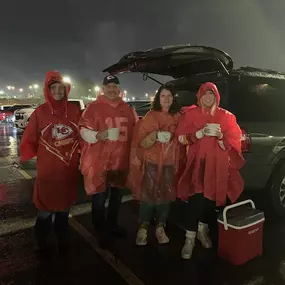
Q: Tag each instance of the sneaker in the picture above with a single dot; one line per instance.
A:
(161, 235)
(141, 237)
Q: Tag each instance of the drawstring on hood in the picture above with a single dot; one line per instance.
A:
(58, 107)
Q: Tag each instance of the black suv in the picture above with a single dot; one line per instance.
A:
(141, 107)
(255, 96)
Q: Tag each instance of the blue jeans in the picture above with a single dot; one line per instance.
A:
(146, 212)
(46, 221)
(100, 215)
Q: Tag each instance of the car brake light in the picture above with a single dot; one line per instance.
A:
(245, 141)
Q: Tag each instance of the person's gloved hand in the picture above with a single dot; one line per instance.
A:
(200, 134)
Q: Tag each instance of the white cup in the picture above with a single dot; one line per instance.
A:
(113, 134)
(164, 137)
(212, 129)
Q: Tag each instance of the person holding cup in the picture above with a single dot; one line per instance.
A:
(154, 164)
(214, 159)
(106, 127)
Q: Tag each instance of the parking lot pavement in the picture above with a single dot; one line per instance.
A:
(125, 263)
(154, 262)
(19, 265)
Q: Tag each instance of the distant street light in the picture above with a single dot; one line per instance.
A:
(146, 95)
(97, 88)
(30, 87)
(21, 90)
(133, 98)
(67, 79)
(36, 86)
(1, 92)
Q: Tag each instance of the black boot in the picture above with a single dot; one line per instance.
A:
(61, 229)
(113, 212)
(42, 230)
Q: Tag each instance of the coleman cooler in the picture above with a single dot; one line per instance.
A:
(240, 233)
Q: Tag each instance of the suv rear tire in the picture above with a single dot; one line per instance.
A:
(277, 191)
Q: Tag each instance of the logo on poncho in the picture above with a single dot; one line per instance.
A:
(60, 132)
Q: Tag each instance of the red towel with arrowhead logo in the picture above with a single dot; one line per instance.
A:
(52, 135)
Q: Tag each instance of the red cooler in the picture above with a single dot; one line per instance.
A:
(240, 233)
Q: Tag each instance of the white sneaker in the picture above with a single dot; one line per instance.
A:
(161, 235)
(141, 237)
(187, 250)
(203, 235)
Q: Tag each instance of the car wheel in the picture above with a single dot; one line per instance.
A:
(278, 191)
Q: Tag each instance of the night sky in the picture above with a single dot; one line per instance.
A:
(80, 38)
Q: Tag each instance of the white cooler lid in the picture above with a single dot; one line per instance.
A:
(242, 217)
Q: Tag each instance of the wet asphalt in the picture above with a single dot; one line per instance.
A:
(123, 263)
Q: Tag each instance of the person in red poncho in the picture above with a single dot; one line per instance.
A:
(154, 163)
(106, 128)
(214, 158)
(52, 136)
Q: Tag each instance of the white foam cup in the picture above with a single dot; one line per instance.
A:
(113, 134)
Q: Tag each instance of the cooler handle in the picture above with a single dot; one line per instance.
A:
(234, 206)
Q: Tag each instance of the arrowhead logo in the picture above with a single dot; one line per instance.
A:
(60, 132)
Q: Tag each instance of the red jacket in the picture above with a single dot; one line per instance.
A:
(210, 169)
(52, 136)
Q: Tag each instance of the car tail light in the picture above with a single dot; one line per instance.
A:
(245, 141)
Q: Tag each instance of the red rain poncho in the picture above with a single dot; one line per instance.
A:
(106, 157)
(52, 136)
(153, 170)
(210, 169)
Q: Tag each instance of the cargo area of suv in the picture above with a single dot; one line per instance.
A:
(255, 96)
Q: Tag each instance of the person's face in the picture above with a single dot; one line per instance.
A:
(166, 99)
(57, 90)
(111, 90)
(208, 99)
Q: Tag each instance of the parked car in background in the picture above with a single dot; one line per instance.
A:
(141, 107)
(79, 103)
(22, 116)
(254, 95)
(7, 111)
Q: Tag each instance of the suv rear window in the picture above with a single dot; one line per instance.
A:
(258, 102)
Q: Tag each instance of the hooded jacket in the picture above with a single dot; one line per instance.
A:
(52, 137)
(212, 166)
